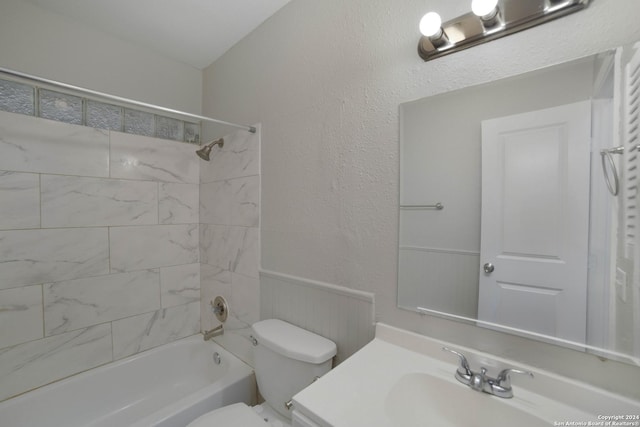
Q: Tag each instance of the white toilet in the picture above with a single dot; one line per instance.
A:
(287, 359)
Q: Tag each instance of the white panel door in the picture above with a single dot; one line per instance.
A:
(535, 221)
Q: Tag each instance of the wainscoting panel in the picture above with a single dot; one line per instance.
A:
(440, 279)
(345, 316)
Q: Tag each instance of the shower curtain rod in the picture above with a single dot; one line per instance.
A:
(121, 99)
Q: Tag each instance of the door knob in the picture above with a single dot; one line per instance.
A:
(488, 268)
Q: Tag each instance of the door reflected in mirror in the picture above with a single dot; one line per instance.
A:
(529, 239)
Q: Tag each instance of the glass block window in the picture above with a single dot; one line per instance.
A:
(60, 107)
(23, 98)
(169, 128)
(104, 116)
(139, 122)
(192, 133)
(16, 97)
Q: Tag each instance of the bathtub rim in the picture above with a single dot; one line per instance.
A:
(237, 370)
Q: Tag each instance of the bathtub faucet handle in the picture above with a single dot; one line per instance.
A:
(220, 308)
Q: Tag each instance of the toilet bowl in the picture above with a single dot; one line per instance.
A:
(287, 359)
(236, 415)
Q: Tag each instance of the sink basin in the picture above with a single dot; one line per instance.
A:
(419, 399)
(402, 379)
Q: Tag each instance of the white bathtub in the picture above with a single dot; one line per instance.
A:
(168, 386)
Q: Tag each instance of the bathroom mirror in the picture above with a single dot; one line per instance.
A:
(508, 217)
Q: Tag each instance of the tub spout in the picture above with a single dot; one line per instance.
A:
(213, 333)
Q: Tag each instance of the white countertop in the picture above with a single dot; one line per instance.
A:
(358, 392)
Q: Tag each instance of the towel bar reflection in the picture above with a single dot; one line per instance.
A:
(606, 154)
(438, 206)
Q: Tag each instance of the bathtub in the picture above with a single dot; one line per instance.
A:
(168, 386)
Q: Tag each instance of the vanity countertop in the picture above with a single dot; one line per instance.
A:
(405, 379)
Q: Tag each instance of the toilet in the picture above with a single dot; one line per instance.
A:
(287, 359)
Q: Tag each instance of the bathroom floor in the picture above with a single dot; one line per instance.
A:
(272, 418)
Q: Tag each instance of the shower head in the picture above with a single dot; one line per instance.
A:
(204, 152)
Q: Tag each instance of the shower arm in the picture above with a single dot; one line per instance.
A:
(120, 99)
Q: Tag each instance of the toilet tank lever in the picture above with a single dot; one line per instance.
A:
(289, 404)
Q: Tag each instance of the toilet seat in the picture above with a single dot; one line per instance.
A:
(236, 415)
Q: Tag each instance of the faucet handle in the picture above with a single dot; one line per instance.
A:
(504, 380)
(464, 369)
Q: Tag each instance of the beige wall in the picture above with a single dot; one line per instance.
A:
(325, 80)
(38, 42)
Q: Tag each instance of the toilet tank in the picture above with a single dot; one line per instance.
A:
(287, 359)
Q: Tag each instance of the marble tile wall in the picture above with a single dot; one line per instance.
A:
(230, 237)
(99, 246)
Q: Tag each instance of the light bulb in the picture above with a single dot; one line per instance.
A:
(430, 24)
(483, 7)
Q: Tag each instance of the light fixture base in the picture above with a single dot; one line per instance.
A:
(468, 30)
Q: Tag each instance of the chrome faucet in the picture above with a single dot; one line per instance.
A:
(499, 386)
(213, 333)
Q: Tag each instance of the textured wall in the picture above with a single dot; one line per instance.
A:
(98, 248)
(325, 80)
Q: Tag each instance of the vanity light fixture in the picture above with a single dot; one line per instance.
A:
(488, 20)
(488, 12)
(431, 27)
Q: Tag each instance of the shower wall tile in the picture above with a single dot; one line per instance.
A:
(30, 144)
(144, 158)
(139, 333)
(79, 303)
(239, 157)
(180, 284)
(215, 203)
(231, 202)
(235, 249)
(19, 200)
(145, 247)
(30, 257)
(229, 238)
(214, 281)
(36, 363)
(82, 250)
(245, 292)
(245, 250)
(245, 196)
(179, 203)
(20, 315)
(85, 202)
(214, 246)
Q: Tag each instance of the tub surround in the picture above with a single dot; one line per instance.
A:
(131, 393)
(230, 238)
(99, 243)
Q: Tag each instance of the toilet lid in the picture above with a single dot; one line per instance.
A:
(236, 415)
